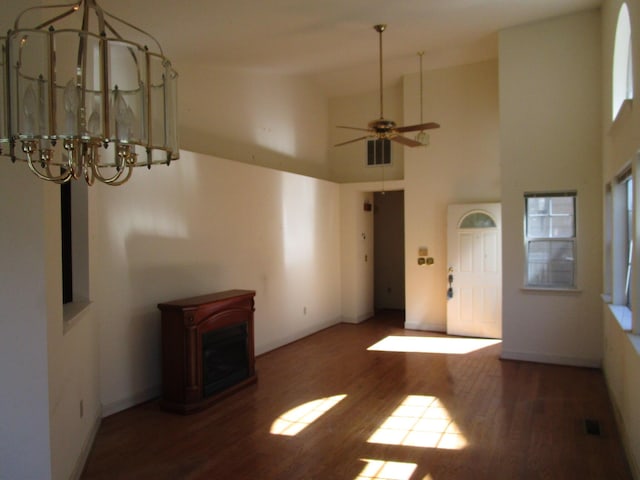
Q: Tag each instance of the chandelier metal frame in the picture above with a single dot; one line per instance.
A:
(67, 93)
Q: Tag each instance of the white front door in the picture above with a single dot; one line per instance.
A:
(474, 253)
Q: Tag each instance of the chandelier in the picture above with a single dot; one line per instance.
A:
(85, 102)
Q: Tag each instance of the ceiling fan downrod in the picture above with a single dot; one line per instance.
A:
(380, 28)
(381, 128)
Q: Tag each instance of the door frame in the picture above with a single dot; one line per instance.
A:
(476, 281)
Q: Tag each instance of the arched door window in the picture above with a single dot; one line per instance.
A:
(477, 220)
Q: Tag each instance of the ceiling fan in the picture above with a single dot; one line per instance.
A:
(383, 128)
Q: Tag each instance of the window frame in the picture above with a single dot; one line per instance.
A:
(530, 240)
(629, 241)
(76, 241)
(621, 224)
(623, 231)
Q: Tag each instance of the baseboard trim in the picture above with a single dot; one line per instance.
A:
(551, 359)
(428, 327)
(359, 319)
(128, 402)
(156, 391)
(86, 447)
(266, 348)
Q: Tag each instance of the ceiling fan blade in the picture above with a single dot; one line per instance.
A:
(352, 141)
(409, 142)
(415, 128)
(354, 128)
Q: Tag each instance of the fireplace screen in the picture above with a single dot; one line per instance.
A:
(224, 358)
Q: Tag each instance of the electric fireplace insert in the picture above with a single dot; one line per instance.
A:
(207, 348)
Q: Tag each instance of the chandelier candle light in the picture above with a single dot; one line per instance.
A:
(67, 93)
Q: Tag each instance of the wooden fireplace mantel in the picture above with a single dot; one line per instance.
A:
(184, 322)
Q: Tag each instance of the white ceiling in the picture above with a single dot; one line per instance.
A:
(332, 41)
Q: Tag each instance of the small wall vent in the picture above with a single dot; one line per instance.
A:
(378, 152)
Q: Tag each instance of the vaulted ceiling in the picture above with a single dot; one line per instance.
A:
(331, 41)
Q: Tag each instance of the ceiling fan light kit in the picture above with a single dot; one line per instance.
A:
(423, 138)
(383, 128)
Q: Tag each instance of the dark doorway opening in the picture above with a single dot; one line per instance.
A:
(388, 231)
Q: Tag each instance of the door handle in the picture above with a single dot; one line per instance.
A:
(450, 280)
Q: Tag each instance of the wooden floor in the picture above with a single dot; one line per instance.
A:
(445, 416)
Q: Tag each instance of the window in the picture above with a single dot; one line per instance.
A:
(619, 246)
(622, 79)
(66, 235)
(74, 213)
(626, 182)
(620, 196)
(379, 152)
(550, 240)
(608, 242)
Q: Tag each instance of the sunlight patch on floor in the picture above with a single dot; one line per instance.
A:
(297, 419)
(385, 470)
(446, 345)
(420, 421)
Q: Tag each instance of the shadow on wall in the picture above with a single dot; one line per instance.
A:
(162, 269)
(202, 141)
(151, 281)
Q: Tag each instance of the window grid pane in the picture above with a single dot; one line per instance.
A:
(550, 217)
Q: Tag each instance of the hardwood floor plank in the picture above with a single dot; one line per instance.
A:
(517, 420)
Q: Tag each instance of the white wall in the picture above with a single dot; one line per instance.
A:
(25, 442)
(621, 142)
(45, 373)
(72, 358)
(267, 119)
(203, 225)
(550, 90)
(621, 363)
(49, 371)
(461, 165)
(356, 254)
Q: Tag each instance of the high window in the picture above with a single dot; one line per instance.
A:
(550, 240)
(622, 80)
